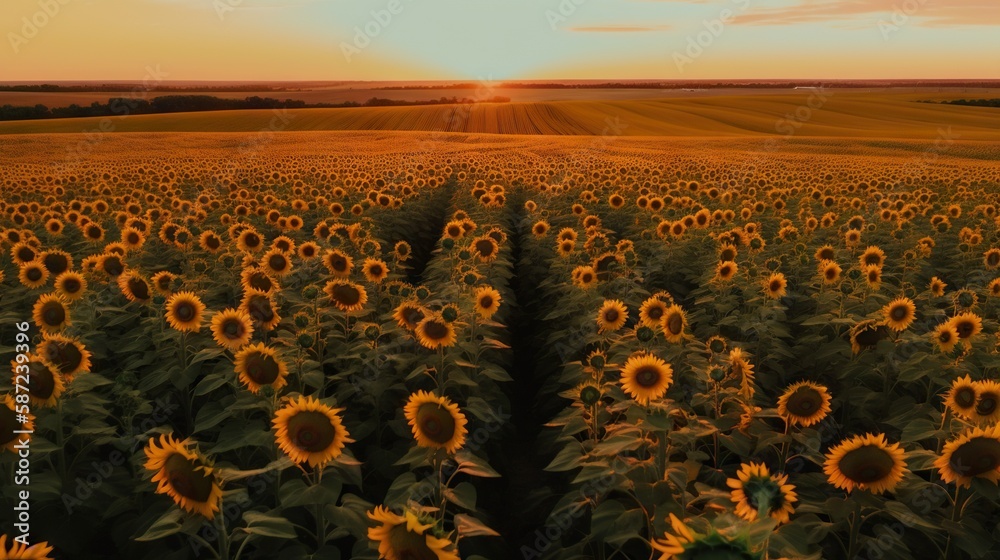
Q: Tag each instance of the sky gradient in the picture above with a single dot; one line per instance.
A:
(252, 40)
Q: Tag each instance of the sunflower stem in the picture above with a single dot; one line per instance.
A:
(855, 524)
(220, 520)
(239, 551)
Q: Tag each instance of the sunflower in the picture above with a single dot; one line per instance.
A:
(258, 365)
(249, 240)
(309, 431)
(872, 256)
(134, 287)
(487, 301)
(899, 314)
(804, 404)
(111, 264)
(20, 551)
(585, 277)
(757, 493)
(651, 312)
(646, 377)
(183, 474)
(725, 271)
(824, 253)
(673, 322)
(409, 314)
(338, 263)
(50, 313)
(184, 312)
(436, 422)
(232, 329)
(684, 544)
(973, 454)
(45, 383)
(23, 253)
(775, 286)
(57, 261)
(405, 536)
(873, 276)
(962, 398)
(163, 282)
(346, 295)
(866, 462)
(252, 277)
(968, 325)
(987, 410)
(375, 270)
(485, 248)
(945, 336)
(33, 274)
(991, 258)
(611, 316)
(70, 285)
(867, 334)
(434, 332)
(67, 354)
(937, 286)
(259, 306)
(276, 263)
(308, 250)
(830, 272)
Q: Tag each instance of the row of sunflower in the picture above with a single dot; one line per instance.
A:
(744, 382)
(276, 376)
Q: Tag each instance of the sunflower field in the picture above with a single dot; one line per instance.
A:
(502, 349)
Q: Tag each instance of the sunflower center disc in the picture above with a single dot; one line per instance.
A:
(866, 464)
(675, 323)
(233, 329)
(41, 382)
(987, 404)
(965, 396)
(185, 311)
(277, 262)
(436, 330)
(311, 431)
(975, 457)
(898, 313)
(435, 423)
(804, 401)
(346, 294)
(138, 288)
(408, 545)
(262, 368)
(54, 314)
(647, 376)
(185, 480)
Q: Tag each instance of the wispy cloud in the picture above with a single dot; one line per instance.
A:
(927, 12)
(618, 28)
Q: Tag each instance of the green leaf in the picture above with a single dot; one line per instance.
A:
(168, 524)
(469, 526)
(268, 525)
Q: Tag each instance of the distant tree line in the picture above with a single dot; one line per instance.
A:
(975, 102)
(120, 106)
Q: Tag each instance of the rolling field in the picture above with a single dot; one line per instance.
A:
(830, 114)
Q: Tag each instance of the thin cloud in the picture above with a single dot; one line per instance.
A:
(618, 28)
(926, 12)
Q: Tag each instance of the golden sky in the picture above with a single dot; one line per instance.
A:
(500, 40)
